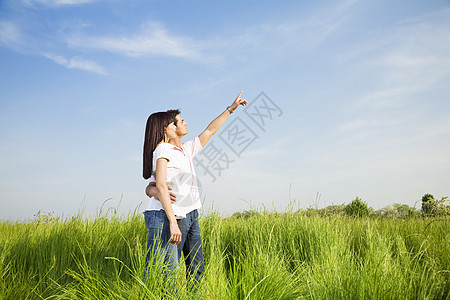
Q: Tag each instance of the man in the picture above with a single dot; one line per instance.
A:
(184, 192)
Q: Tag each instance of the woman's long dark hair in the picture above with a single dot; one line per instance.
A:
(154, 134)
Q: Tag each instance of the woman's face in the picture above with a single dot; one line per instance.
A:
(170, 131)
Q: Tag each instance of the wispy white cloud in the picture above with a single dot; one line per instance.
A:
(316, 31)
(272, 41)
(10, 34)
(416, 59)
(153, 39)
(55, 3)
(398, 124)
(77, 62)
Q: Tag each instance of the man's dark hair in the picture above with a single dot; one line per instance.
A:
(173, 113)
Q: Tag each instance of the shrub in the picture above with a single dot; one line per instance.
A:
(357, 208)
(334, 210)
(245, 215)
(428, 204)
(45, 218)
(432, 207)
(397, 211)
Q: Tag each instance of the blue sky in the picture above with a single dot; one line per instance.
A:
(362, 88)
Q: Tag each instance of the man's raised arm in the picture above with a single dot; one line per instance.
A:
(218, 122)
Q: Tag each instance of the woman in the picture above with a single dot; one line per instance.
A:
(163, 231)
(182, 178)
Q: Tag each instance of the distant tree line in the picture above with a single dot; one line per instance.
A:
(431, 207)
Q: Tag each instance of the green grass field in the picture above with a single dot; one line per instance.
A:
(259, 256)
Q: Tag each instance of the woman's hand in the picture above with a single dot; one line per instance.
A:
(238, 101)
(175, 233)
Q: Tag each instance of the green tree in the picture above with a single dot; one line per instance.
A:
(434, 207)
(357, 208)
(403, 210)
(428, 206)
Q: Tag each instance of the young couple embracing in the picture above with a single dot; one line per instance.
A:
(171, 214)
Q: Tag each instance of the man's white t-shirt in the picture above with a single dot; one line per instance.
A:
(181, 176)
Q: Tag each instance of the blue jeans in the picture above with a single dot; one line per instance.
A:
(158, 247)
(191, 245)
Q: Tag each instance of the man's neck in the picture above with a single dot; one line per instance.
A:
(176, 141)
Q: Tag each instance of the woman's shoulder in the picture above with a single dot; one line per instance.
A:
(163, 146)
(162, 150)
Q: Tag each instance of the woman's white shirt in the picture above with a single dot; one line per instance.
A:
(181, 176)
